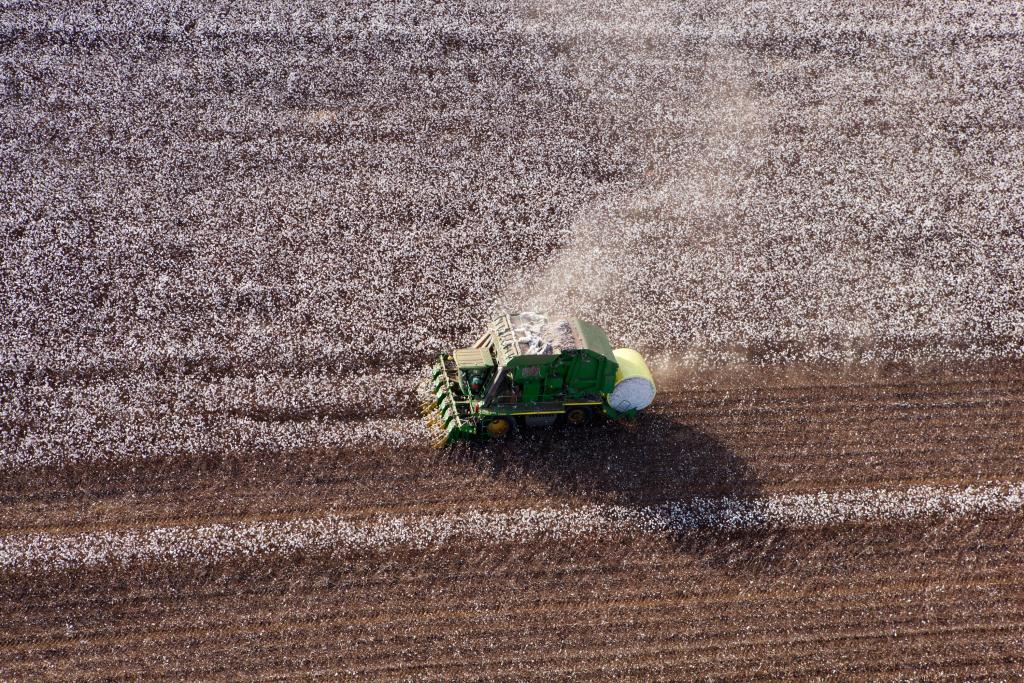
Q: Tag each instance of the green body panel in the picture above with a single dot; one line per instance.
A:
(556, 366)
(594, 339)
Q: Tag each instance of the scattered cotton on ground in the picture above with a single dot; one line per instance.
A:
(332, 534)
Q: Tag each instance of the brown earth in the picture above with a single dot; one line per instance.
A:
(859, 602)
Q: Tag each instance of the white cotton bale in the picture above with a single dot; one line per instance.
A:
(634, 383)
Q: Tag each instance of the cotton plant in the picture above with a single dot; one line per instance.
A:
(338, 535)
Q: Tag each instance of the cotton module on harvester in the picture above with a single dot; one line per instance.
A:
(534, 371)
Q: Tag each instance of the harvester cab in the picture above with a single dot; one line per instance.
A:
(530, 370)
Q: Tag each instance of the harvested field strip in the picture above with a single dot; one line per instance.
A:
(801, 632)
(942, 613)
(857, 380)
(743, 410)
(832, 413)
(693, 641)
(372, 654)
(769, 406)
(972, 450)
(397, 628)
(996, 586)
(894, 385)
(332, 533)
(922, 583)
(594, 654)
(828, 410)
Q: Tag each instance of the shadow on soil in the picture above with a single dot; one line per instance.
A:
(655, 461)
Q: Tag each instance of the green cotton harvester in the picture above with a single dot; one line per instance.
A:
(533, 371)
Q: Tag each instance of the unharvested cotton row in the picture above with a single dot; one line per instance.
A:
(336, 534)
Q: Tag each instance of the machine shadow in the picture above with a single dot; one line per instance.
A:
(654, 462)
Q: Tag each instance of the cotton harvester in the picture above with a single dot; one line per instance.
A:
(532, 371)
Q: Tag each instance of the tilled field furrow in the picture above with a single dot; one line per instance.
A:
(956, 420)
(828, 405)
(598, 654)
(693, 647)
(854, 379)
(956, 660)
(829, 410)
(796, 380)
(244, 652)
(831, 398)
(814, 454)
(723, 401)
(660, 665)
(405, 630)
(981, 581)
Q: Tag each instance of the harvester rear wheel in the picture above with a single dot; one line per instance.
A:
(577, 416)
(498, 428)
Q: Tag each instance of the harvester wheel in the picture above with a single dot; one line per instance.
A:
(498, 428)
(577, 416)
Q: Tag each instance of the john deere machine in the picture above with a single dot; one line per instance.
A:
(530, 370)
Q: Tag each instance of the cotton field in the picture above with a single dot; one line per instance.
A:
(233, 235)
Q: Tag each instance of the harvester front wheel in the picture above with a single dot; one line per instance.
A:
(496, 429)
(577, 416)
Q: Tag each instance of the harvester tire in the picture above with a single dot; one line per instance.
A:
(498, 428)
(577, 416)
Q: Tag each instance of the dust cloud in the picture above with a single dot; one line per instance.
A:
(599, 262)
